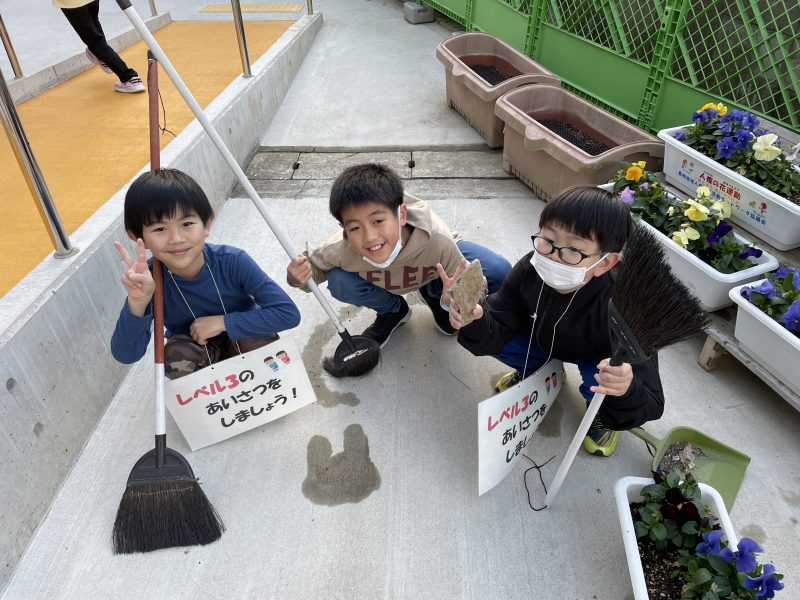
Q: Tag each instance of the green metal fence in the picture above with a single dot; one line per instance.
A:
(653, 62)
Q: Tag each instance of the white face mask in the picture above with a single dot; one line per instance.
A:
(560, 276)
(397, 247)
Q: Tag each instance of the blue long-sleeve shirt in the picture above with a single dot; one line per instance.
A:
(256, 306)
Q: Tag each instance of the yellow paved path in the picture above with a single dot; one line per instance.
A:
(90, 140)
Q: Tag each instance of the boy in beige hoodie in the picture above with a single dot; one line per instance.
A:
(390, 244)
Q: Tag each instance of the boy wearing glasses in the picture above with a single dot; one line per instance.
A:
(554, 303)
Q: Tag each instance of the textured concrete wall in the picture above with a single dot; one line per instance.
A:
(57, 376)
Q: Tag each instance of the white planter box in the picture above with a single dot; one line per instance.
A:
(627, 490)
(709, 285)
(769, 216)
(774, 346)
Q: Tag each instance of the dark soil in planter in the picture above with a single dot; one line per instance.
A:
(658, 567)
(575, 136)
(492, 69)
(490, 74)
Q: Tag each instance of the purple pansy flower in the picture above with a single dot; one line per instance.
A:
(750, 251)
(783, 272)
(680, 136)
(750, 121)
(765, 584)
(626, 195)
(736, 115)
(743, 138)
(699, 117)
(720, 231)
(796, 280)
(711, 545)
(726, 147)
(791, 318)
(745, 555)
(766, 288)
(645, 186)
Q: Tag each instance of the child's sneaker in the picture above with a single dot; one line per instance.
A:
(600, 440)
(384, 325)
(440, 316)
(506, 381)
(133, 86)
(90, 55)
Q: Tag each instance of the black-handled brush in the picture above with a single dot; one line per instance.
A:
(356, 355)
(163, 505)
(650, 309)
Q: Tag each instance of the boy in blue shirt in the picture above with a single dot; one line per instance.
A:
(217, 301)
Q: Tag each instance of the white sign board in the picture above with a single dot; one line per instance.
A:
(507, 422)
(239, 393)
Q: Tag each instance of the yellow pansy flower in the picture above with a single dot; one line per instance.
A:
(683, 236)
(641, 164)
(634, 173)
(703, 192)
(696, 211)
(720, 108)
(670, 211)
(764, 148)
(723, 207)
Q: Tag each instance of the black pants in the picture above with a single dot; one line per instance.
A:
(86, 24)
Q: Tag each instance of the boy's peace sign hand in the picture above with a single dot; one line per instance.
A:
(447, 282)
(137, 280)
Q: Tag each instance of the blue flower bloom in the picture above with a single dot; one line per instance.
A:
(736, 115)
(791, 318)
(726, 147)
(783, 272)
(711, 112)
(760, 131)
(745, 555)
(725, 126)
(720, 231)
(699, 117)
(750, 251)
(765, 584)
(743, 138)
(750, 121)
(766, 288)
(680, 136)
(711, 545)
(796, 280)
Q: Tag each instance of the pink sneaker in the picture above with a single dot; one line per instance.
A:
(133, 86)
(98, 62)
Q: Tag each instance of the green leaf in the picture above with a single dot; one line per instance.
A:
(718, 564)
(641, 529)
(659, 532)
(701, 576)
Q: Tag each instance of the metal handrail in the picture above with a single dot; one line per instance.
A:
(33, 175)
(12, 56)
(237, 19)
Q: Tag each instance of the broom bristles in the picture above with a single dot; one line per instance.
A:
(357, 366)
(166, 514)
(657, 306)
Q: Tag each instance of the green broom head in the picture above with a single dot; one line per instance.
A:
(164, 506)
(651, 308)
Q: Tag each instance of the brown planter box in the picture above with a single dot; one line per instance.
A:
(472, 95)
(548, 163)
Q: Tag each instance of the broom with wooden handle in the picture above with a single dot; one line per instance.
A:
(356, 355)
(163, 505)
(649, 310)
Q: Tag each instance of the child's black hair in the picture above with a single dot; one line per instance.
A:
(163, 193)
(590, 213)
(361, 184)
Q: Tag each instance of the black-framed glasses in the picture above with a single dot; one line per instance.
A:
(570, 256)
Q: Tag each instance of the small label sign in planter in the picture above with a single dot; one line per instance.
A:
(628, 490)
(766, 214)
(774, 347)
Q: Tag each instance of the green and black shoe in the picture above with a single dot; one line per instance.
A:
(600, 440)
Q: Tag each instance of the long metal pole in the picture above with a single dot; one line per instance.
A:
(309, 7)
(237, 19)
(153, 11)
(12, 56)
(33, 175)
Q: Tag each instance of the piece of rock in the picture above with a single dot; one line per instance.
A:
(469, 289)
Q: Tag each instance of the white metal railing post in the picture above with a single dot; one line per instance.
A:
(33, 175)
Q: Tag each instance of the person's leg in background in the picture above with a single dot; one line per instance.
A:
(85, 22)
